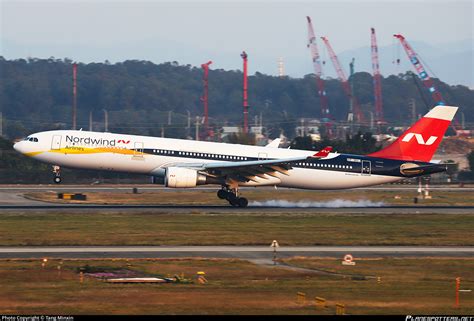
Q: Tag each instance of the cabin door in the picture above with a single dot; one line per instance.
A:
(366, 167)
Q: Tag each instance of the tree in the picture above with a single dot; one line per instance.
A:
(470, 159)
(452, 169)
(36, 93)
(241, 138)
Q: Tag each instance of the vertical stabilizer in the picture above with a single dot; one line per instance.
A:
(420, 141)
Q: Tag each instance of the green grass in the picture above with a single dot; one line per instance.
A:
(408, 286)
(239, 228)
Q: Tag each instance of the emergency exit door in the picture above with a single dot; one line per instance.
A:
(138, 151)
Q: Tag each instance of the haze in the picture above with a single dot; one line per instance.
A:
(194, 32)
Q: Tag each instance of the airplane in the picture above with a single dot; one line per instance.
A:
(178, 163)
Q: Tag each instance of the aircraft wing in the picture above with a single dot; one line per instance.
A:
(245, 171)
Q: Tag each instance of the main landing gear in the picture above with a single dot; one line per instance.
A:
(231, 195)
(56, 174)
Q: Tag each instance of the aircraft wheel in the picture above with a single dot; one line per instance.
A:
(57, 179)
(222, 194)
(234, 202)
(243, 202)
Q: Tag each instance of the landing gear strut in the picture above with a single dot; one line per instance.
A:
(231, 195)
(56, 174)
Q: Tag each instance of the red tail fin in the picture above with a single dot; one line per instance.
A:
(421, 140)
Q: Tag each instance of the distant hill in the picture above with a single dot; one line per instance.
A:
(35, 94)
(451, 63)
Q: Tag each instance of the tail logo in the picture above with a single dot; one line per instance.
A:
(419, 139)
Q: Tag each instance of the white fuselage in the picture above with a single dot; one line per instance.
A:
(151, 155)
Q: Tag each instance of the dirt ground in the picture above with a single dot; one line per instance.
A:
(392, 286)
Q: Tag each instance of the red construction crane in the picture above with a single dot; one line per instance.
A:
(204, 98)
(427, 81)
(318, 71)
(245, 103)
(377, 79)
(343, 79)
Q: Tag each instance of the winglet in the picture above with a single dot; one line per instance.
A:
(323, 152)
(274, 143)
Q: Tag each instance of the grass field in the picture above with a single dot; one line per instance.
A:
(407, 285)
(206, 197)
(239, 287)
(210, 227)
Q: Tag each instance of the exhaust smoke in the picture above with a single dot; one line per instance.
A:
(330, 204)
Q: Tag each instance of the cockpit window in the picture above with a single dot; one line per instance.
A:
(32, 139)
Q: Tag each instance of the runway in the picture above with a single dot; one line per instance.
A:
(123, 187)
(241, 252)
(12, 199)
(229, 209)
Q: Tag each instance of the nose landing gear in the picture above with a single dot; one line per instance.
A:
(231, 195)
(57, 174)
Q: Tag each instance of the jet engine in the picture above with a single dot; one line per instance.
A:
(180, 177)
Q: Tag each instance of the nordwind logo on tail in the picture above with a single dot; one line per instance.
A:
(419, 139)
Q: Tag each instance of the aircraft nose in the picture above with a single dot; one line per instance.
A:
(17, 147)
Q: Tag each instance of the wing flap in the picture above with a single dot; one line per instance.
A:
(254, 170)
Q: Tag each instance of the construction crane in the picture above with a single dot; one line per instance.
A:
(245, 94)
(427, 81)
(425, 78)
(345, 84)
(377, 79)
(204, 98)
(318, 71)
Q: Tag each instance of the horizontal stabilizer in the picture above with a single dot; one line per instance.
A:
(412, 170)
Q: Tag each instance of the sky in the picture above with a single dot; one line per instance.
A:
(193, 32)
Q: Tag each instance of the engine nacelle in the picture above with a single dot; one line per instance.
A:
(180, 177)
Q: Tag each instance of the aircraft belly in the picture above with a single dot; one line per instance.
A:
(322, 179)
